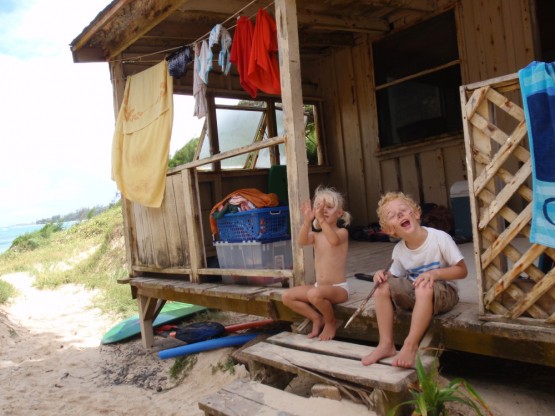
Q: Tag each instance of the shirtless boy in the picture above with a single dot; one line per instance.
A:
(330, 242)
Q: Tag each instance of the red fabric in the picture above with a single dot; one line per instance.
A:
(263, 69)
(241, 51)
(258, 198)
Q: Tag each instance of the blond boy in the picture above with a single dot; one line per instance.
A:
(330, 242)
(425, 263)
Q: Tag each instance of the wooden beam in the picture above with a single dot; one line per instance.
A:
(98, 24)
(141, 24)
(340, 23)
(295, 145)
(414, 5)
(149, 308)
(235, 152)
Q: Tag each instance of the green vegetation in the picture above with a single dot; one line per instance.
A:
(185, 154)
(430, 398)
(34, 240)
(90, 254)
(7, 291)
(77, 215)
(183, 366)
(228, 366)
(311, 144)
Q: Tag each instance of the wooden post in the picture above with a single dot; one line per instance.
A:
(295, 145)
(149, 308)
(192, 218)
(118, 88)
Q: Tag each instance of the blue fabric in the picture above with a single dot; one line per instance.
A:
(537, 85)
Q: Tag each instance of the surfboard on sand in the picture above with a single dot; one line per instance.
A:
(171, 312)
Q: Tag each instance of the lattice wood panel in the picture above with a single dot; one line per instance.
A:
(516, 277)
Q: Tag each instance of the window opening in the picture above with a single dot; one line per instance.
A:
(417, 87)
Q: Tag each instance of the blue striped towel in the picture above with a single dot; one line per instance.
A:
(537, 85)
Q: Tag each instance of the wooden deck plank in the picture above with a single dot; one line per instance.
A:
(461, 329)
(375, 376)
(332, 348)
(246, 397)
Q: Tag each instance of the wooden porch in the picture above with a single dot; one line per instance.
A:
(458, 330)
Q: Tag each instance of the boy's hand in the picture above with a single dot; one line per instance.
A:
(308, 213)
(319, 212)
(424, 280)
(381, 276)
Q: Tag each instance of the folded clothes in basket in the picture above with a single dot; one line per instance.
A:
(257, 198)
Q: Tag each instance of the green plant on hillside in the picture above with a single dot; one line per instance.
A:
(91, 254)
(32, 241)
(7, 291)
(430, 397)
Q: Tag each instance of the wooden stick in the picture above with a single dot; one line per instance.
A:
(363, 304)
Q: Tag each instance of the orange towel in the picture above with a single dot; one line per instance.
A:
(263, 71)
(258, 198)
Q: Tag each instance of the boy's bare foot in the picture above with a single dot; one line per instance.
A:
(317, 326)
(328, 332)
(381, 351)
(406, 357)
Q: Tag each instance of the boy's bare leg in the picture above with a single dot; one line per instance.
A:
(421, 317)
(296, 300)
(323, 298)
(384, 315)
(325, 307)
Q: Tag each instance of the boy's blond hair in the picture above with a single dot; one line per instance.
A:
(330, 194)
(390, 196)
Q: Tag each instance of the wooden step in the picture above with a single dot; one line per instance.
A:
(247, 397)
(333, 347)
(378, 387)
(339, 360)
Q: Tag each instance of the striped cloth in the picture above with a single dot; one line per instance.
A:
(537, 84)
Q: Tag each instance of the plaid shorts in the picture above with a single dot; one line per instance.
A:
(403, 295)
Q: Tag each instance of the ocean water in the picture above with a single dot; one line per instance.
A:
(11, 232)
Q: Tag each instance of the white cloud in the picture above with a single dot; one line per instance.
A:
(57, 116)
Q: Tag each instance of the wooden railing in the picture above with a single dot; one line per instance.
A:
(170, 240)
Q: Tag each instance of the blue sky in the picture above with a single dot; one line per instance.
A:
(57, 116)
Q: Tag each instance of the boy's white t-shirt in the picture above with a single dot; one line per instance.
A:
(438, 251)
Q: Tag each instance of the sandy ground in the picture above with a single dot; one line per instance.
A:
(52, 363)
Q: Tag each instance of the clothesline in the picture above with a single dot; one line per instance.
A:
(205, 36)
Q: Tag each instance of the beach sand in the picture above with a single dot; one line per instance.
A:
(52, 363)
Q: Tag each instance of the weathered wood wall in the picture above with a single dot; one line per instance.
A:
(161, 233)
(495, 38)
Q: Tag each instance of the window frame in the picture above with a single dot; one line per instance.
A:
(267, 128)
(392, 139)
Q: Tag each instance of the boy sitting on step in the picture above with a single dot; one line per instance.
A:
(330, 242)
(425, 262)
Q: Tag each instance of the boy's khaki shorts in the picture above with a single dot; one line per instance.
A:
(403, 295)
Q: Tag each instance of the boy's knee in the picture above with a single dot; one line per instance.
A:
(383, 290)
(286, 297)
(314, 294)
(424, 293)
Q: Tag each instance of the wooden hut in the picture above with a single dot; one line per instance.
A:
(401, 96)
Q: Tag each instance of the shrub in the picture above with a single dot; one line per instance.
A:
(430, 398)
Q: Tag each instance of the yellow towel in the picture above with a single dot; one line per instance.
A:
(141, 143)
